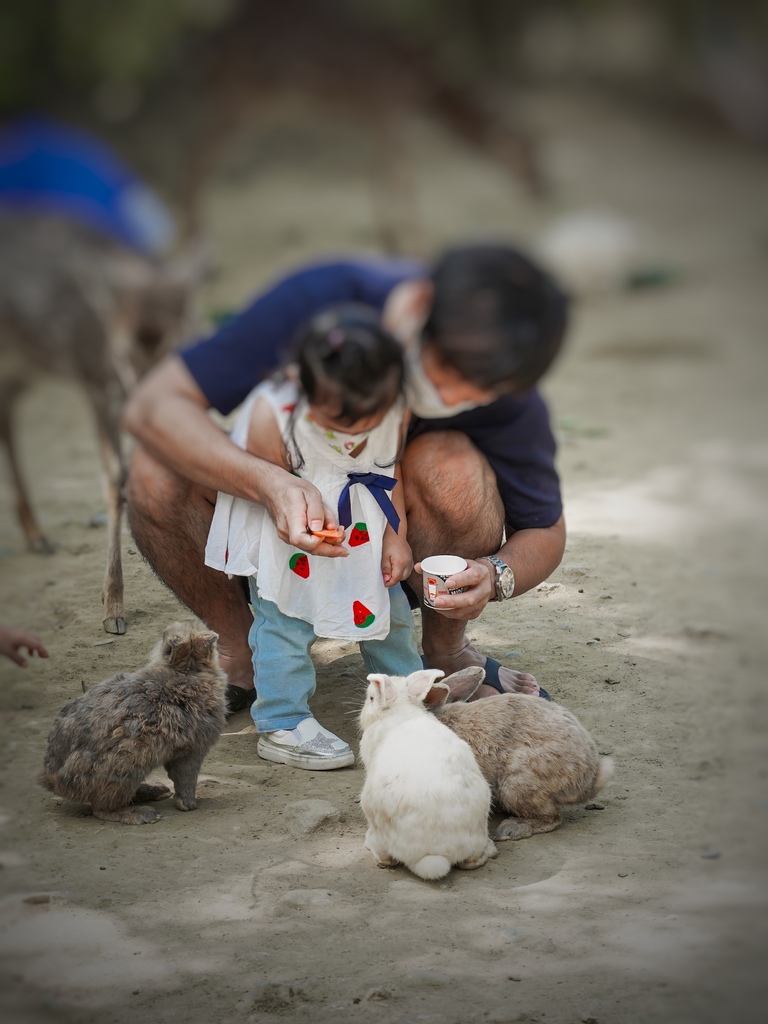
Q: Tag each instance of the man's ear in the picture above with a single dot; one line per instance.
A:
(407, 308)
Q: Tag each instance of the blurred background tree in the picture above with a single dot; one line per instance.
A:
(172, 82)
(101, 55)
(107, 58)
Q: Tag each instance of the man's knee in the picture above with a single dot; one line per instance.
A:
(444, 470)
(152, 490)
(141, 481)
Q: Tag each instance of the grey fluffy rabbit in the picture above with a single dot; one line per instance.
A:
(535, 754)
(169, 713)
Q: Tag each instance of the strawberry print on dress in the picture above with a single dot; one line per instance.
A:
(299, 564)
(358, 535)
(362, 616)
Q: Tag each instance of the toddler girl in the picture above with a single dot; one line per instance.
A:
(337, 418)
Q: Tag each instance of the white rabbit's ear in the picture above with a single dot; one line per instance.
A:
(386, 688)
(419, 683)
(436, 696)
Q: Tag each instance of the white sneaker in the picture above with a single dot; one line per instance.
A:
(308, 746)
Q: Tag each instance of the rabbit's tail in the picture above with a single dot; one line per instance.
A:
(431, 867)
(604, 773)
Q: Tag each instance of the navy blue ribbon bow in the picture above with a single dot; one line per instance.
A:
(378, 485)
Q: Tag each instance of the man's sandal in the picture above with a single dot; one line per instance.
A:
(492, 678)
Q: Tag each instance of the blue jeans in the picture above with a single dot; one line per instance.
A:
(285, 675)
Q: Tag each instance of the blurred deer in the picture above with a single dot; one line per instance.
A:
(323, 53)
(77, 304)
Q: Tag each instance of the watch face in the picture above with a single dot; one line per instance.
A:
(507, 583)
(505, 579)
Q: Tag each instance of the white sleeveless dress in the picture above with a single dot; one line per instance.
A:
(343, 598)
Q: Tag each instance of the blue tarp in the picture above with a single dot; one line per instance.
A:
(51, 168)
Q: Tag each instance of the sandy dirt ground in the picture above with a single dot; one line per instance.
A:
(649, 907)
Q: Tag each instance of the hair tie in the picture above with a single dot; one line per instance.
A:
(335, 339)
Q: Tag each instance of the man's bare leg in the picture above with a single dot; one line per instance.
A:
(169, 517)
(453, 507)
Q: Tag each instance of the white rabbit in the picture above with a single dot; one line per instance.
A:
(424, 797)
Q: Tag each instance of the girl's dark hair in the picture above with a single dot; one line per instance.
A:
(344, 355)
(496, 317)
(347, 359)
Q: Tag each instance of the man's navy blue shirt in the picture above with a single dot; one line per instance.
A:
(513, 432)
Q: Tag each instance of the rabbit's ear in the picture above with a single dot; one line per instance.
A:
(171, 640)
(420, 682)
(205, 644)
(170, 643)
(464, 684)
(179, 653)
(385, 687)
(436, 696)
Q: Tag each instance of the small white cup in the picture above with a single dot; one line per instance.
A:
(435, 570)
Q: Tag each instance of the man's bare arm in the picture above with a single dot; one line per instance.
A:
(533, 556)
(168, 415)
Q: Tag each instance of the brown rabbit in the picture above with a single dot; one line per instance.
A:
(170, 713)
(535, 754)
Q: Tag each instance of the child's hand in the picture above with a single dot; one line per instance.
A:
(12, 640)
(396, 559)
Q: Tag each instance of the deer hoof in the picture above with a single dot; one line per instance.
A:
(42, 546)
(115, 626)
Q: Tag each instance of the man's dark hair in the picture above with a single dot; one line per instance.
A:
(496, 317)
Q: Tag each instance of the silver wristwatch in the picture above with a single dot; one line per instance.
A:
(505, 578)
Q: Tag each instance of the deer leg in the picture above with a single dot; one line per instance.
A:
(113, 599)
(106, 408)
(392, 191)
(36, 539)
